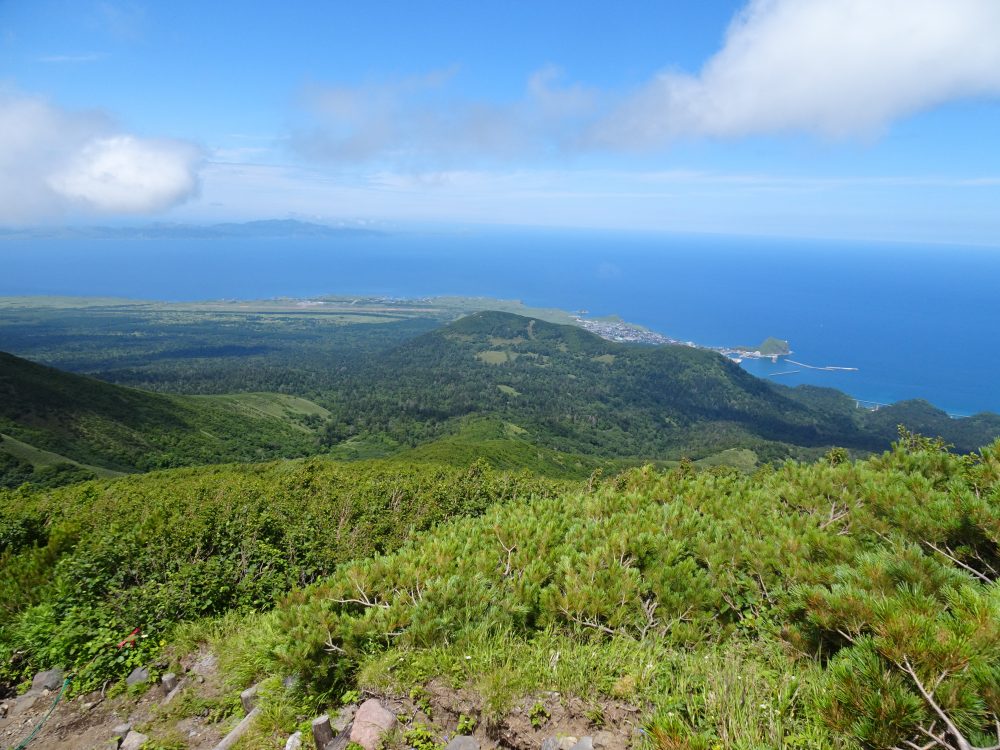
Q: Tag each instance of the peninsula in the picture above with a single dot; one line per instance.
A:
(613, 328)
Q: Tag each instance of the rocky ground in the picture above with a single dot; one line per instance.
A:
(183, 710)
(96, 720)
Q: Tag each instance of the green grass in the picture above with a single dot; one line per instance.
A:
(719, 608)
(497, 357)
(506, 446)
(739, 458)
(276, 405)
(84, 565)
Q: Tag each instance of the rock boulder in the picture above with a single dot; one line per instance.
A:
(133, 741)
(463, 742)
(51, 679)
(371, 723)
(139, 675)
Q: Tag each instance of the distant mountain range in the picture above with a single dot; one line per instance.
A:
(267, 229)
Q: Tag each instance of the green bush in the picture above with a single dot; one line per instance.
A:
(83, 566)
(883, 571)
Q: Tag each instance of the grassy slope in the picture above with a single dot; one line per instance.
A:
(124, 429)
(507, 446)
(41, 459)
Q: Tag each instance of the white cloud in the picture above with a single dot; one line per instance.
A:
(59, 59)
(417, 123)
(54, 162)
(836, 68)
(125, 174)
(832, 68)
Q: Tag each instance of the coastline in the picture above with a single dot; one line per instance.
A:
(621, 331)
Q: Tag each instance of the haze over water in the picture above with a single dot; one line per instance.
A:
(917, 322)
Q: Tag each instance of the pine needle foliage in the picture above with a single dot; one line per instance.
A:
(874, 583)
(835, 604)
(85, 565)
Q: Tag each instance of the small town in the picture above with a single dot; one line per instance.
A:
(623, 332)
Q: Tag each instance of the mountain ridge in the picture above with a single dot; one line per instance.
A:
(260, 229)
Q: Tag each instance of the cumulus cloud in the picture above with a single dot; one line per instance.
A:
(125, 174)
(830, 68)
(54, 162)
(835, 68)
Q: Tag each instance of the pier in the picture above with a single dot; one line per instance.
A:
(828, 369)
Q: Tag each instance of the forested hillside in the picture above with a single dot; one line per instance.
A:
(573, 391)
(85, 421)
(560, 400)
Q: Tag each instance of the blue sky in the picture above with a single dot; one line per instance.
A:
(827, 118)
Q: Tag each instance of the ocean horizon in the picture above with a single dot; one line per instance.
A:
(916, 321)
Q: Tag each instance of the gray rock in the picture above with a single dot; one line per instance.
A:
(463, 742)
(205, 665)
(341, 741)
(604, 740)
(4, 708)
(139, 675)
(249, 698)
(371, 723)
(344, 718)
(294, 742)
(174, 693)
(24, 703)
(121, 730)
(322, 732)
(133, 741)
(169, 682)
(559, 743)
(584, 743)
(49, 680)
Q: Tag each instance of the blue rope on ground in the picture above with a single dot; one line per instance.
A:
(37, 729)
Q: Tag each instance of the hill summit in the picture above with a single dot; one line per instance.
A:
(573, 391)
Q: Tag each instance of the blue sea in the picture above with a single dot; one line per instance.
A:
(916, 321)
